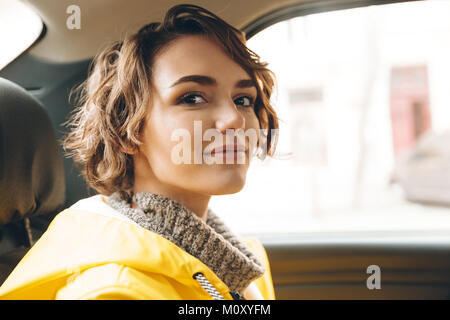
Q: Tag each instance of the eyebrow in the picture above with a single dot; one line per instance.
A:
(208, 81)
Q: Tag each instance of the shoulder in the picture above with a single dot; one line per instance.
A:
(98, 204)
(264, 283)
(112, 281)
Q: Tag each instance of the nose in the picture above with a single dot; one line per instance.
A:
(229, 117)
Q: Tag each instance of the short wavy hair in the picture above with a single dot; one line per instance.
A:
(113, 101)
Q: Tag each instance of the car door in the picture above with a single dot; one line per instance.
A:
(334, 219)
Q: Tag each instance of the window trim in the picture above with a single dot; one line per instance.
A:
(41, 35)
(307, 8)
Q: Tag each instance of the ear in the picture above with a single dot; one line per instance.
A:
(128, 151)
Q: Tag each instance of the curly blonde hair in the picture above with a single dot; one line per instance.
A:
(113, 100)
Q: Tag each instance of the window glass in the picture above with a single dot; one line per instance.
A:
(364, 142)
(20, 26)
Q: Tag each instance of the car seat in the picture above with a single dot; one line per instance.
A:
(32, 186)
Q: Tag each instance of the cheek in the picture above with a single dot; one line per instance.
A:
(167, 133)
(252, 124)
(158, 135)
(251, 121)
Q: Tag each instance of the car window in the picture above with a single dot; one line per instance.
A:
(364, 140)
(20, 26)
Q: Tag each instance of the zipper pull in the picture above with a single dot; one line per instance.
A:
(235, 295)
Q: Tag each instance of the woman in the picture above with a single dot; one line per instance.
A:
(149, 234)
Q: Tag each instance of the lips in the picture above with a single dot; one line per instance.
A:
(227, 149)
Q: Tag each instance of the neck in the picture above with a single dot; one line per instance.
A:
(145, 180)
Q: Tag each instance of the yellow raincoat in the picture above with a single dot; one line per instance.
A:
(87, 254)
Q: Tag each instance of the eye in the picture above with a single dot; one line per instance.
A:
(191, 99)
(244, 101)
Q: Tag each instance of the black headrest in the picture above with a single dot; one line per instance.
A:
(31, 169)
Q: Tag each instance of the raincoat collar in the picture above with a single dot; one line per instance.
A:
(212, 242)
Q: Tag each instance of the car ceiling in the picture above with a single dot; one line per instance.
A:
(106, 20)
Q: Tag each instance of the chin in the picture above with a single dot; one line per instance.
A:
(219, 180)
(229, 186)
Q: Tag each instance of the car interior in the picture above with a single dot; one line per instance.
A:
(37, 181)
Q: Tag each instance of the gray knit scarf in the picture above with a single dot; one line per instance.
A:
(212, 242)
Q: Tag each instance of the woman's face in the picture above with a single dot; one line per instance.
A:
(193, 80)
